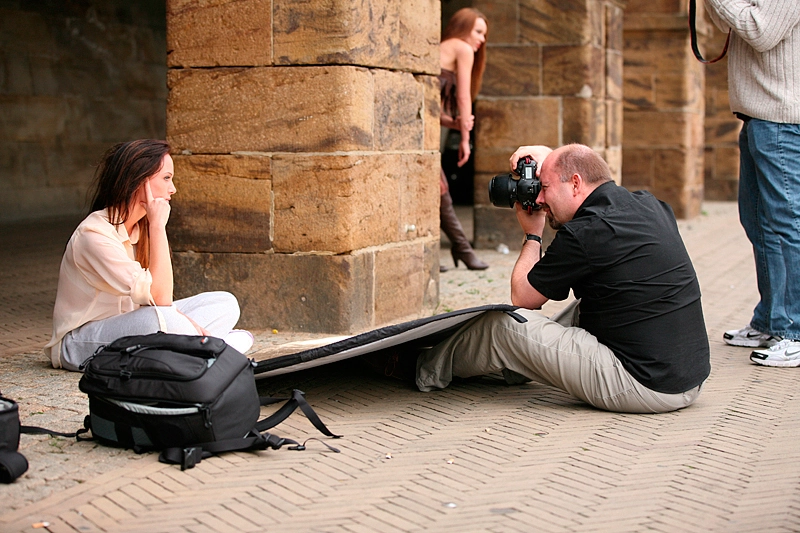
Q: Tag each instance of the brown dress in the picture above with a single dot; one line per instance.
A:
(447, 86)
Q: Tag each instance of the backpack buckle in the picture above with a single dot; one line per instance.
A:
(190, 457)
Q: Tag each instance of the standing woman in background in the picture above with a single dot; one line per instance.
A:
(462, 56)
(116, 273)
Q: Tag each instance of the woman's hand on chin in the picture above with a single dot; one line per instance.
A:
(157, 209)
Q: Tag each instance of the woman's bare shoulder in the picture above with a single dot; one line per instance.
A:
(451, 50)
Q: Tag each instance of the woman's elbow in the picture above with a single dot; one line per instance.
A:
(162, 300)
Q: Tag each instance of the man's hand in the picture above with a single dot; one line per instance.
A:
(532, 222)
(538, 153)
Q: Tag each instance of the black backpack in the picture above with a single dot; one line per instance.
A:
(189, 396)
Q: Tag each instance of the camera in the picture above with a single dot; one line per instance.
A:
(505, 190)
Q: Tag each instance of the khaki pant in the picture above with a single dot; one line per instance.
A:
(551, 351)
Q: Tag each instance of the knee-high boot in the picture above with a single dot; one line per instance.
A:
(460, 247)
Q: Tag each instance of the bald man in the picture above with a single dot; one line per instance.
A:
(634, 340)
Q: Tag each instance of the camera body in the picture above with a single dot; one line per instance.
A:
(505, 190)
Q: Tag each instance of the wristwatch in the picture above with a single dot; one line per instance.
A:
(533, 237)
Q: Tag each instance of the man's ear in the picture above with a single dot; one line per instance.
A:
(576, 181)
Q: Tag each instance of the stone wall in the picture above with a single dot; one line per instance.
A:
(553, 76)
(75, 78)
(307, 136)
(721, 162)
(664, 106)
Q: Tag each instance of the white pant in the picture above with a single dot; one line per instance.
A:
(545, 350)
(217, 312)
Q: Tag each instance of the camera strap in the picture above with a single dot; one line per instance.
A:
(693, 32)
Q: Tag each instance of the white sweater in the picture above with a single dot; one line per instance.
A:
(763, 57)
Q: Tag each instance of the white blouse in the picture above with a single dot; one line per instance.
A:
(99, 278)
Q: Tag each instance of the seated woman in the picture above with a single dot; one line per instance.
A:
(116, 273)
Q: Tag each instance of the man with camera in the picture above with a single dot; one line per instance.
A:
(633, 341)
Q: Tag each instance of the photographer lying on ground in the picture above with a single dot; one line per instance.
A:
(641, 345)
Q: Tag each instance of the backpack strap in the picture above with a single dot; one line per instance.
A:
(297, 400)
(191, 455)
(258, 438)
(36, 430)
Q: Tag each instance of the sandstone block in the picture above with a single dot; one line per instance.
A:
(721, 191)
(614, 119)
(431, 264)
(505, 124)
(672, 168)
(639, 89)
(653, 128)
(512, 71)
(400, 281)
(431, 111)
(584, 121)
(380, 33)
(299, 109)
(481, 187)
(662, 52)
(502, 17)
(721, 181)
(726, 163)
(323, 294)
(399, 103)
(614, 78)
(613, 156)
(557, 21)
(655, 6)
(614, 27)
(638, 167)
(573, 71)
(223, 204)
(219, 33)
(676, 91)
(341, 203)
(496, 225)
(718, 102)
(722, 129)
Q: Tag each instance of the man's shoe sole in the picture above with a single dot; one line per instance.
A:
(757, 359)
(746, 344)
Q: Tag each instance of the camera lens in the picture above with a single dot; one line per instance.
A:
(503, 190)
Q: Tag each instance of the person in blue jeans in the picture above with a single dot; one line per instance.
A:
(764, 91)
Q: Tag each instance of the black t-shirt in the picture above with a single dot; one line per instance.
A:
(623, 256)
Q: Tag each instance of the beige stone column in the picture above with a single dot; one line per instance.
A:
(721, 161)
(664, 106)
(306, 138)
(553, 76)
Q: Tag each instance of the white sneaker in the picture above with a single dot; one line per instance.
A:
(785, 353)
(239, 339)
(750, 338)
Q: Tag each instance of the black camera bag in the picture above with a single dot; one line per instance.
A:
(189, 396)
(12, 463)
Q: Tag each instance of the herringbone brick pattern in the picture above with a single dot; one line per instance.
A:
(479, 456)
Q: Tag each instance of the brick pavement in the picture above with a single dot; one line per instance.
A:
(479, 456)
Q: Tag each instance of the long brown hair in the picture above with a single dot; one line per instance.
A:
(459, 27)
(122, 171)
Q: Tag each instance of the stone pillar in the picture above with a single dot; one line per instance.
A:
(664, 106)
(307, 164)
(721, 161)
(553, 76)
